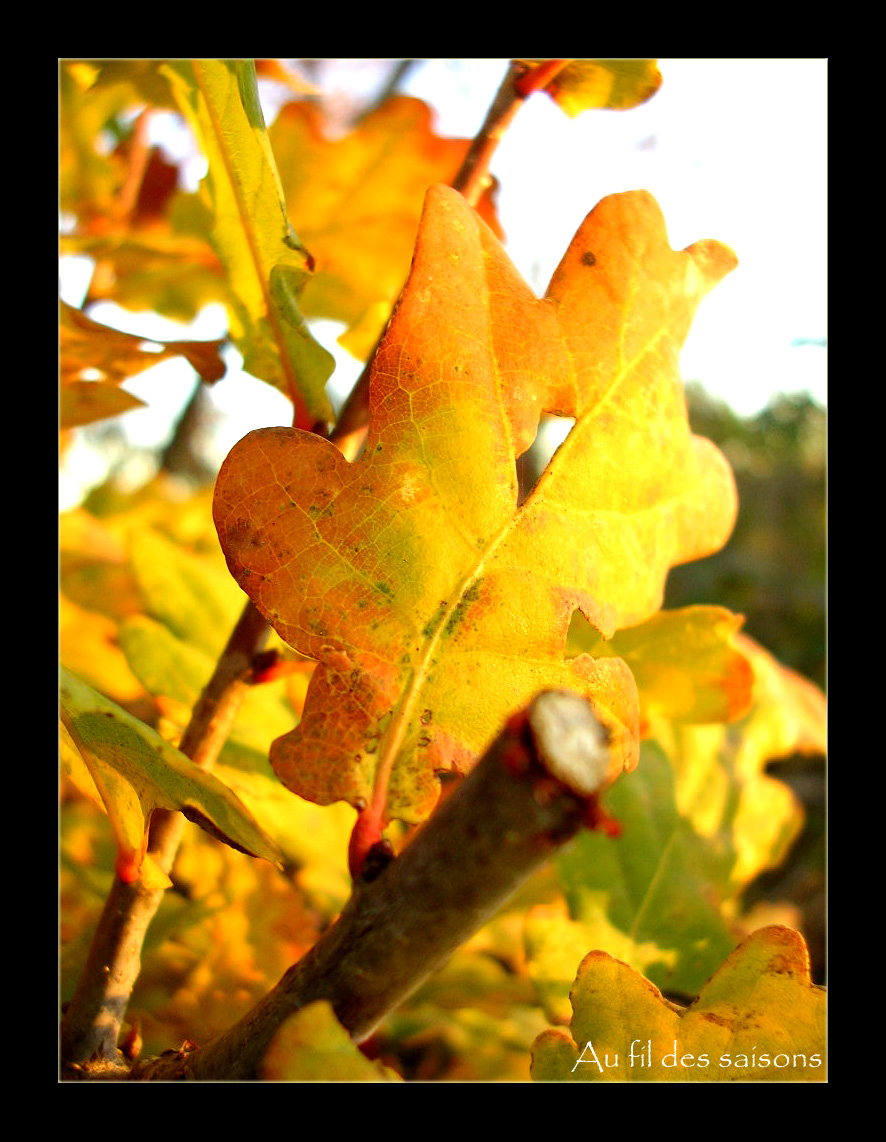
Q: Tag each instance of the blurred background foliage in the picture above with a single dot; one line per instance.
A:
(773, 571)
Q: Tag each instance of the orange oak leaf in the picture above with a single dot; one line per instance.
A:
(109, 357)
(434, 601)
(356, 202)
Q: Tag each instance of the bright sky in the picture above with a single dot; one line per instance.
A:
(732, 149)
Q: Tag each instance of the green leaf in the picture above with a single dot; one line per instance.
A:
(167, 666)
(700, 820)
(653, 896)
(136, 771)
(312, 1046)
(174, 672)
(265, 264)
(189, 592)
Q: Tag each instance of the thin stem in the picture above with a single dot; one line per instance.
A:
(538, 77)
(140, 153)
(471, 180)
(91, 1025)
(518, 84)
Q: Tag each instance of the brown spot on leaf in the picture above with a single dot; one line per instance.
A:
(720, 1020)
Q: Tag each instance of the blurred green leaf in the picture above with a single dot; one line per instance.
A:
(312, 1046)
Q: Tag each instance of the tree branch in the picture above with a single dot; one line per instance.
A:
(531, 792)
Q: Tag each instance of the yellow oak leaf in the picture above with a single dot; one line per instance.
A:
(686, 662)
(758, 1019)
(434, 601)
(602, 84)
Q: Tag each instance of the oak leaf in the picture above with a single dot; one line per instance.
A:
(686, 663)
(759, 1018)
(658, 899)
(312, 1046)
(95, 358)
(701, 819)
(125, 765)
(602, 84)
(146, 239)
(356, 201)
(434, 602)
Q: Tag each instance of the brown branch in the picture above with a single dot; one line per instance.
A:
(531, 792)
(519, 83)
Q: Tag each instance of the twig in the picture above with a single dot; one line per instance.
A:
(392, 82)
(519, 83)
(471, 180)
(91, 1024)
(530, 793)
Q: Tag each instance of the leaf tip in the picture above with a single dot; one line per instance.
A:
(712, 261)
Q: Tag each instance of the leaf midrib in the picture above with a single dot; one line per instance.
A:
(394, 739)
(251, 237)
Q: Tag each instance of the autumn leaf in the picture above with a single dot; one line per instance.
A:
(90, 647)
(686, 662)
(758, 1019)
(94, 359)
(792, 711)
(701, 819)
(356, 201)
(611, 84)
(123, 764)
(722, 783)
(434, 602)
(146, 239)
(265, 264)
